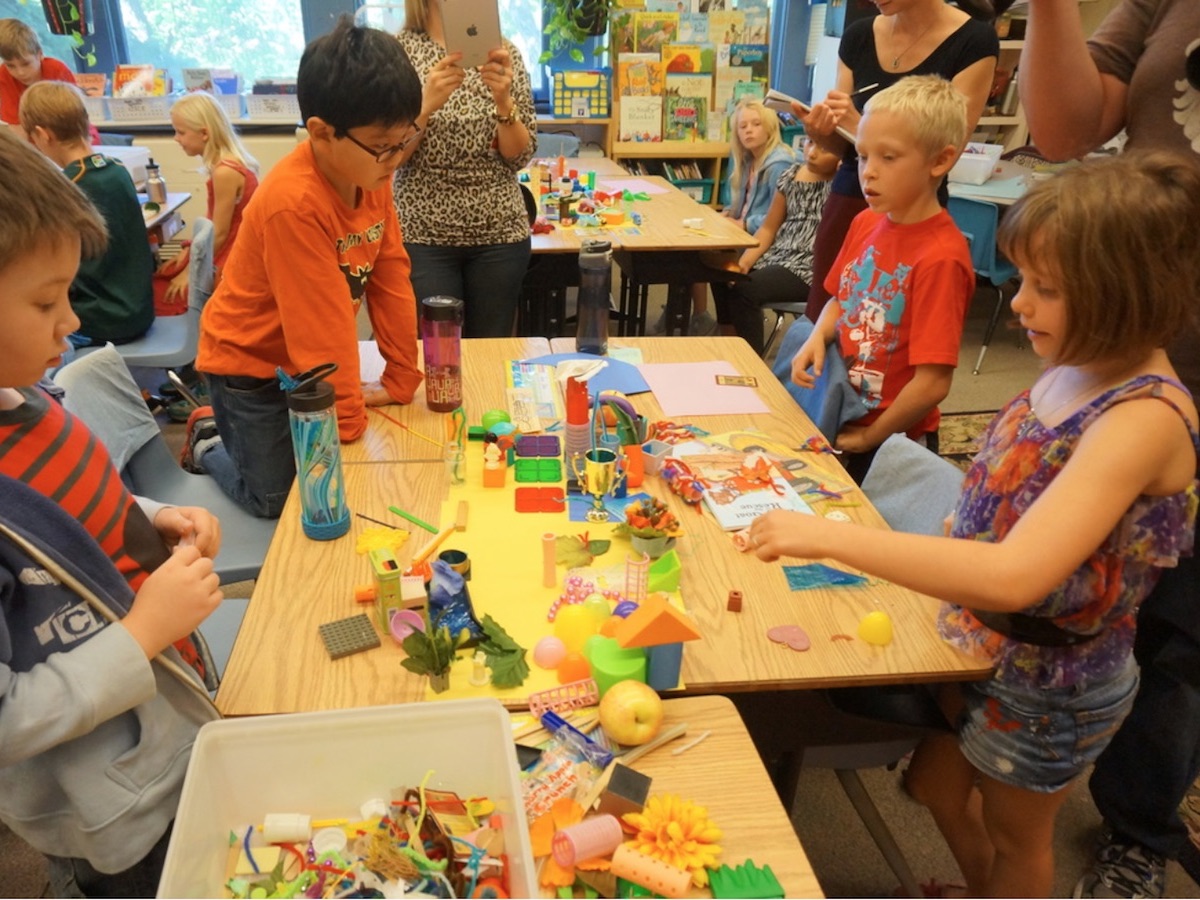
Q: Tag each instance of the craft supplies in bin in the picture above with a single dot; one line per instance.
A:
(273, 107)
(976, 164)
(325, 765)
(96, 109)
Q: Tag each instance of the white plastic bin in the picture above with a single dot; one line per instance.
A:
(326, 764)
(976, 164)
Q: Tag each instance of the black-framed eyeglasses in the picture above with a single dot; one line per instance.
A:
(382, 156)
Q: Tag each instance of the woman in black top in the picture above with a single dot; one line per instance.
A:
(908, 37)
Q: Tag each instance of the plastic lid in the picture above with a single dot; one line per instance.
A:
(595, 246)
(313, 397)
(442, 309)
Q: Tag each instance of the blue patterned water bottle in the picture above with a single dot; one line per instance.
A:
(318, 452)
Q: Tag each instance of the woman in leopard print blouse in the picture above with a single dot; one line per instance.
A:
(457, 196)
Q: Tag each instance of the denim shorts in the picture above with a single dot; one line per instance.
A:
(1040, 740)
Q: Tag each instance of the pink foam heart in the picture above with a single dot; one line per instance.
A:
(792, 635)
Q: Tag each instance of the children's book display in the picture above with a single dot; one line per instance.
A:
(722, 51)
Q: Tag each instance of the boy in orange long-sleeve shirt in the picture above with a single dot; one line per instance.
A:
(320, 237)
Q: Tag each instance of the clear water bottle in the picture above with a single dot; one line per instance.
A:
(595, 287)
(441, 340)
(318, 452)
(156, 188)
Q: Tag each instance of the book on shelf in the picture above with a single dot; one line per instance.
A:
(757, 29)
(140, 80)
(653, 30)
(682, 58)
(640, 119)
(685, 118)
(679, 84)
(640, 75)
(93, 84)
(739, 486)
(693, 28)
(214, 81)
(727, 26)
(622, 39)
(756, 56)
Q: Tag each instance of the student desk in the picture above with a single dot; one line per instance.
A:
(483, 389)
(724, 774)
(664, 251)
(279, 664)
(166, 223)
(1007, 184)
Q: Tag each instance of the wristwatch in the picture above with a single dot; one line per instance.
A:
(506, 119)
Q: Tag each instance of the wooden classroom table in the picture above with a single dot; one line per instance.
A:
(724, 774)
(664, 251)
(483, 389)
(279, 665)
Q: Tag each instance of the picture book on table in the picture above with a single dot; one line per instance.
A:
(685, 118)
(653, 30)
(641, 119)
(739, 486)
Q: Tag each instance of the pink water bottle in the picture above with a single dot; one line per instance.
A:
(441, 339)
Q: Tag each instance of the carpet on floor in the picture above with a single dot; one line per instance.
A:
(959, 434)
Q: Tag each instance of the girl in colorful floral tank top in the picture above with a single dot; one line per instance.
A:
(1085, 487)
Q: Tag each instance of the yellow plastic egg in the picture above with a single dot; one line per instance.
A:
(876, 628)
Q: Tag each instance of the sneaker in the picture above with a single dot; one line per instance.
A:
(702, 324)
(660, 325)
(201, 437)
(1123, 868)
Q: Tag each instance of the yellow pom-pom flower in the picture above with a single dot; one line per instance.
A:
(678, 832)
(375, 538)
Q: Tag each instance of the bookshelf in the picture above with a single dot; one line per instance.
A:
(707, 156)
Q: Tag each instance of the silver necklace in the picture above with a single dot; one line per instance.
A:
(896, 58)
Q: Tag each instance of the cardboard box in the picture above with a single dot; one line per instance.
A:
(976, 164)
(326, 764)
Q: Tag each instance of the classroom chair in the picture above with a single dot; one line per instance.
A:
(977, 220)
(782, 308)
(101, 392)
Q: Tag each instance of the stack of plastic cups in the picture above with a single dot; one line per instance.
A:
(577, 437)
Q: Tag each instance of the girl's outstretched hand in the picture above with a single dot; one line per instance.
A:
(784, 533)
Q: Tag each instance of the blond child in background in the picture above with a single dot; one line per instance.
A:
(203, 129)
(904, 277)
(758, 158)
(1065, 517)
(781, 265)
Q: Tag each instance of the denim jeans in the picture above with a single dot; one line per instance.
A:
(740, 305)
(486, 278)
(1140, 780)
(70, 877)
(253, 464)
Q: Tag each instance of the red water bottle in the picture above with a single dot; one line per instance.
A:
(441, 339)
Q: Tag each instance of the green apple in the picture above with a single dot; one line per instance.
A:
(631, 713)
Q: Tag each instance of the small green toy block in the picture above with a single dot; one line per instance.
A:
(746, 880)
(629, 889)
(538, 469)
(664, 573)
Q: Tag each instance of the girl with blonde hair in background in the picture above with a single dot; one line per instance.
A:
(203, 129)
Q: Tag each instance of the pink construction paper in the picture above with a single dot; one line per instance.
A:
(691, 389)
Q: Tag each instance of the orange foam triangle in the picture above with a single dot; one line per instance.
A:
(656, 622)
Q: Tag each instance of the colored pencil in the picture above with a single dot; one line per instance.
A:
(412, 431)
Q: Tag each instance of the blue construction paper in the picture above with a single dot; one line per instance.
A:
(578, 506)
(817, 575)
(616, 376)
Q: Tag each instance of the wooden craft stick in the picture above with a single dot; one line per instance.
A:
(460, 519)
(665, 737)
(432, 546)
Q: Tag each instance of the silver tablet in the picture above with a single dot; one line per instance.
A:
(472, 27)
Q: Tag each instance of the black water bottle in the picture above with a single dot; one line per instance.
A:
(595, 287)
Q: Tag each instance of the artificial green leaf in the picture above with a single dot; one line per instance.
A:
(505, 657)
(571, 552)
(598, 548)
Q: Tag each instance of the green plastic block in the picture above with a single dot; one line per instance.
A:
(664, 573)
(746, 880)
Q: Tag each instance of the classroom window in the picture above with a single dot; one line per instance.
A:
(260, 39)
(55, 45)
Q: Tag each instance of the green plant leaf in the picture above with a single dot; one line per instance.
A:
(576, 54)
